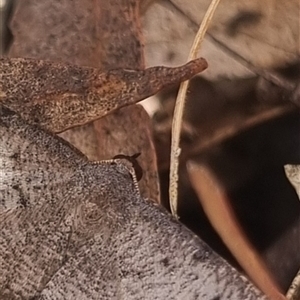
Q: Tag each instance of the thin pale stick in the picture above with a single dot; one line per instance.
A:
(179, 107)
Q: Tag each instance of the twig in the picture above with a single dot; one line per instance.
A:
(179, 107)
(225, 132)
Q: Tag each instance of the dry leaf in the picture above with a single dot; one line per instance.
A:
(59, 96)
(266, 34)
(87, 208)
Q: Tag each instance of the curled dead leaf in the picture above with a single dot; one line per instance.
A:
(59, 96)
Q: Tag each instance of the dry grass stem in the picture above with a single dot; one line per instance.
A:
(179, 107)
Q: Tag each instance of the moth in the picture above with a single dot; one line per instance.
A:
(74, 229)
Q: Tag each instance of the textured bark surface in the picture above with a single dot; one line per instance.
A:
(80, 230)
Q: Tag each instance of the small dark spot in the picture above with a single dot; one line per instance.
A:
(15, 156)
(165, 262)
(15, 187)
(170, 55)
(106, 131)
(243, 19)
(23, 201)
(124, 273)
(6, 112)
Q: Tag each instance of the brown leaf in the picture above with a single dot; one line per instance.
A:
(119, 29)
(263, 33)
(59, 96)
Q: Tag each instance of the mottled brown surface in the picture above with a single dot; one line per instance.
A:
(58, 96)
(121, 36)
(61, 30)
(64, 31)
